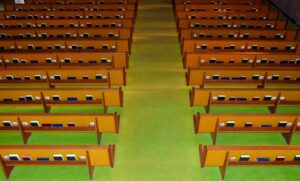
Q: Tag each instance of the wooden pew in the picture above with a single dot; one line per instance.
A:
(81, 1)
(227, 15)
(67, 23)
(99, 33)
(63, 77)
(69, 7)
(272, 98)
(245, 2)
(254, 60)
(264, 34)
(260, 78)
(240, 24)
(287, 124)
(56, 155)
(67, 15)
(55, 60)
(26, 124)
(62, 97)
(192, 46)
(62, 45)
(223, 156)
(220, 7)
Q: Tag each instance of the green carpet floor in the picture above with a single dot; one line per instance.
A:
(156, 139)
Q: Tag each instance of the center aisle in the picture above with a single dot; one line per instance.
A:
(156, 140)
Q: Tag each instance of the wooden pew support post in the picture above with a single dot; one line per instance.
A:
(47, 109)
(224, 167)
(89, 164)
(25, 135)
(6, 169)
(288, 136)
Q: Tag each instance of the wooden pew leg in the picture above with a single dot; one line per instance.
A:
(89, 164)
(105, 109)
(6, 169)
(272, 109)
(214, 137)
(99, 136)
(111, 152)
(215, 133)
(47, 109)
(261, 86)
(117, 122)
(287, 137)
(206, 109)
(224, 167)
(202, 155)
(196, 124)
(25, 137)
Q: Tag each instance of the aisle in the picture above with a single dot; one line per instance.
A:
(156, 139)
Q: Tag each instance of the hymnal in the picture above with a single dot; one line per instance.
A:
(244, 158)
(56, 97)
(58, 157)
(231, 98)
(67, 60)
(29, 97)
(297, 158)
(215, 77)
(99, 76)
(72, 99)
(57, 77)
(22, 98)
(71, 124)
(89, 97)
(37, 77)
(267, 98)
(7, 123)
(14, 157)
(248, 124)
(255, 77)
(9, 77)
(46, 125)
(71, 157)
(221, 97)
(263, 159)
(280, 158)
(282, 123)
(57, 125)
(225, 78)
(71, 78)
(266, 125)
(34, 123)
(230, 123)
(26, 158)
(275, 77)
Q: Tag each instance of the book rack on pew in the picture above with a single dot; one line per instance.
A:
(37, 155)
(224, 156)
(56, 77)
(56, 60)
(237, 77)
(286, 124)
(272, 98)
(62, 97)
(240, 60)
(27, 124)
